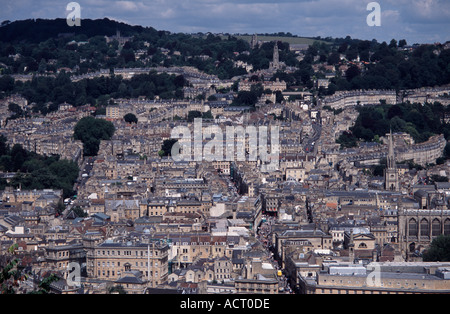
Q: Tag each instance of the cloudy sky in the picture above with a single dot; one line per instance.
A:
(417, 21)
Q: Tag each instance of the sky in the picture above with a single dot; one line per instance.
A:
(417, 21)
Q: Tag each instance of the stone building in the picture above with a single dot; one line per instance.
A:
(111, 259)
(382, 278)
(418, 227)
(391, 181)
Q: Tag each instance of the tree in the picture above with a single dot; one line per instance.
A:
(91, 131)
(246, 98)
(207, 115)
(439, 250)
(166, 149)
(18, 156)
(130, 118)
(352, 72)
(44, 285)
(79, 212)
(194, 114)
(9, 272)
(393, 44)
(334, 58)
(447, 151)
(117, 290)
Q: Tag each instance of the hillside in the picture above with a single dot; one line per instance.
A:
(38, 30)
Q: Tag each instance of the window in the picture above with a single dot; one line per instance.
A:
(436, 228)
(447, 227)
(424, 228)
(413, 228)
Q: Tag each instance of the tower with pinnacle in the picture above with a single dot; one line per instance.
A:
(276, 64)
(391, 182)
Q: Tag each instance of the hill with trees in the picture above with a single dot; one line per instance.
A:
(51, 47)
(421, 121)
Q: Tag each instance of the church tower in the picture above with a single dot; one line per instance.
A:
(275, 64)
(254, 42)
(276, 55)
(391, 182)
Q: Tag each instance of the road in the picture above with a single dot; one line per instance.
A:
(309, 144)
(83, 176)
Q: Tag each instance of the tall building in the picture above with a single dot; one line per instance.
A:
(276, 55)
(418, 227)
(276, 64)
(254, 42)
(391, 182)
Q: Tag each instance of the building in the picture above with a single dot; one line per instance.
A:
(276, 64)
(223, 269)
(391, 181)
(258, 277)
(120, 39)
(113, 112)
(418, 227)
(383, 278)
(111, 259)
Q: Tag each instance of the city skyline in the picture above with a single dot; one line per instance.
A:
(416, 21)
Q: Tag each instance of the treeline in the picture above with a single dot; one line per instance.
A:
(34, 171)
(48, 92)
(394, 68)
(38, 43)
(39, 30)
(38, 49)
(420, 121)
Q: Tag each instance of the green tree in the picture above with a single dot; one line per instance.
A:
(166, 149)
(91, 131)
(439, 250)
(130, 118)
(79, 212)
(447, 151)
(207, 115)
(118, 289)
(193, 115)
(18, 156)
(246, 98)
(9, 271)
(45, 284)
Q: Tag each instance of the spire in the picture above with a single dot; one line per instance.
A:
(390, 173)
(391, 155)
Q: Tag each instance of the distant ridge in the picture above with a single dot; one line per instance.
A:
(38, 30)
